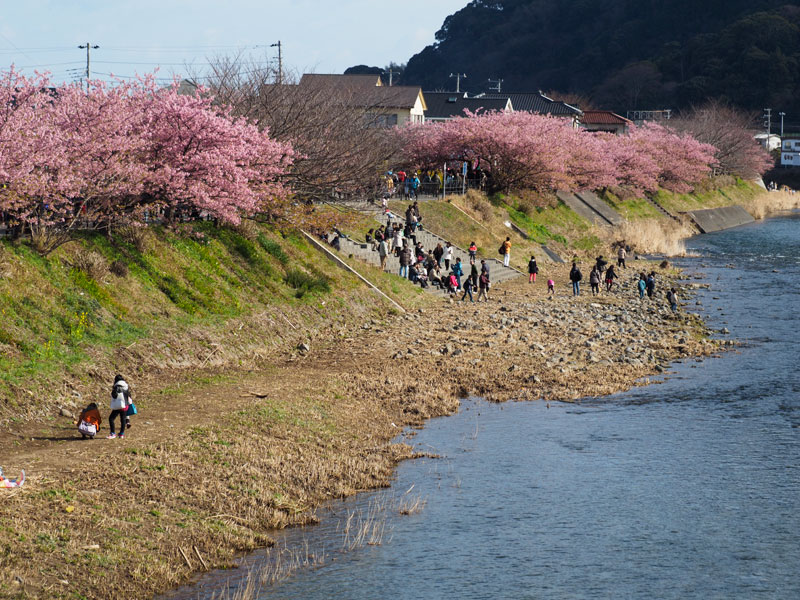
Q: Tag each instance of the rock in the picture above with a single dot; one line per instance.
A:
(456, 352)
(65, 413)
(513, 368)
(303, 347)
(724, 331)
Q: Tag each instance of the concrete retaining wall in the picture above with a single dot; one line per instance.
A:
(717, 219)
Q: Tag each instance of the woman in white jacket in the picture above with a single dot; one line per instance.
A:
(120, 398)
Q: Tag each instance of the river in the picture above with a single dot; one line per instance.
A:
(685, 489)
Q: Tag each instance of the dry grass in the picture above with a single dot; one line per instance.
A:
(90, 262)
(770, 203)
(651, 236)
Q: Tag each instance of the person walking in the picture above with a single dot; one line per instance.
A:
(458, 271)
(672, 298)
(575, 277)
(651, 284)
(467, 289)
(621, 255)
(594, 281)
(507, 252)
(120, 396)
(483, 286)
(533, 270)
(642, 285)
(611, 275)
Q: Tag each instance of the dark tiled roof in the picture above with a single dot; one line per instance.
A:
(538, 103)
(446, 105)
(603, 117)
(347, 82)
(362, 90)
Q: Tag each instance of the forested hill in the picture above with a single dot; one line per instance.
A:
(623, 54)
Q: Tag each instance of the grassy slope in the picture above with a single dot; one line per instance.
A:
(66, 318)
(558, 227)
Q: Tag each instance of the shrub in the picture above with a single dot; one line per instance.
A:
(479, 203)
(91, 263)
(119, 268)
(273, 248)
(306, 283)
(138, 237)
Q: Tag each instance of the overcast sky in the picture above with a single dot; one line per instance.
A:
(137, 35)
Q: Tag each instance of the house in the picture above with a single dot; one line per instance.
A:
(385, 106)
(539, 103)
(443, 106)
(605, 120)
(790, 151)
(640, 116)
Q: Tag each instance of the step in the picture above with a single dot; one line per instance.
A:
(600, 206)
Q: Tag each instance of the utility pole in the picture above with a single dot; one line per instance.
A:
(458, 77)
(390, 72)
(768, 125)
(498, 83)
(782, 114)
(89, 48)
(280, 61)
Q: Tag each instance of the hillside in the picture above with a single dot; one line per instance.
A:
(623, 55)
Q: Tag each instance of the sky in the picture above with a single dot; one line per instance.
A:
(136, 36)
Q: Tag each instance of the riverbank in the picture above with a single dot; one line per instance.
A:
(209, 469)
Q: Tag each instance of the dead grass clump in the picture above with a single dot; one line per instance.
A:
(654, 236)
(768, 203)
(119, 268)
(247, 229)
(530, 201)
(139, 237)
(479, 203)
(91, 263)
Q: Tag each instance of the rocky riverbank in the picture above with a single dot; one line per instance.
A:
(206, 473)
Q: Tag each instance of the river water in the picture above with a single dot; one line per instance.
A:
(685, 489)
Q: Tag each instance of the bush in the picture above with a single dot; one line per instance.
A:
(306, 283)
(91, 263)
(119, 268)
(273, 248)
(136, 236)
(479, 203)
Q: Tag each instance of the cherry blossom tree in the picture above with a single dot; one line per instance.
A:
(522, 150)
(73, 158)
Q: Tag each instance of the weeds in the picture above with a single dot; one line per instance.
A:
(305, 283)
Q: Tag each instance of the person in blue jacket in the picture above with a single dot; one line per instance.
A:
(458, 271)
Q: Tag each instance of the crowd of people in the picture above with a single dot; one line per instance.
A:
(436, 267)
(431, 182)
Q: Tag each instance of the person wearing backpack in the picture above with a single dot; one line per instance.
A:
(506, 247)
(473, 251)
(575, 277)
(120, 399)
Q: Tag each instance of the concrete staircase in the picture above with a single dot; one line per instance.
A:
(591, 208)
(657, 205)
(497, 271)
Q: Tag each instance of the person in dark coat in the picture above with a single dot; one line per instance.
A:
(533, 270)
